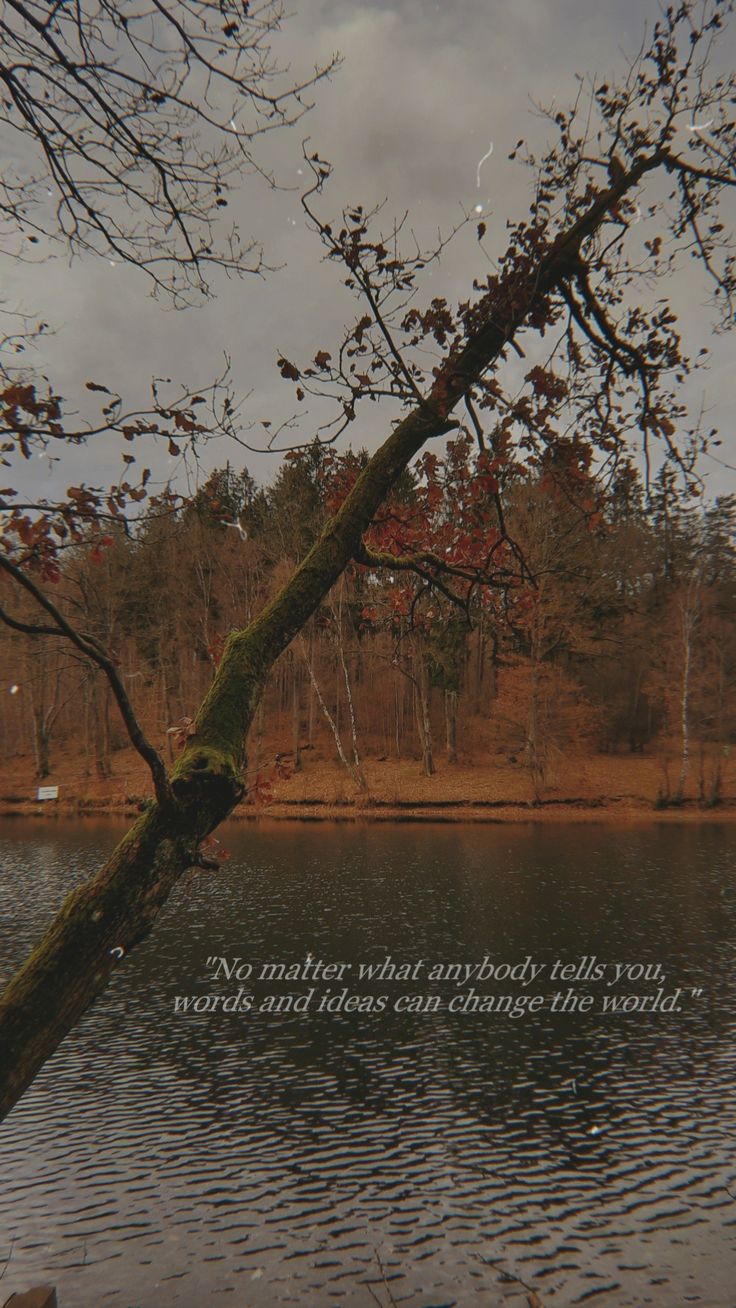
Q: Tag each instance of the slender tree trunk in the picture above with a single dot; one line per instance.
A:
(87, 693)
(43, 765)
(351, 711)
(258, 732)
(312, 703)
(634, 713)
(685, 707)
(701, 773)
(451, 724)
(40, 743)
(45, 688)
(358, 767)
(101, 709)
(533, 753)
(714, 793)
(296, 717)
(337, 701)
(689, 614)
(424, 720)
(167, 712)
(493, 661)
(479, 655)
(353, 769)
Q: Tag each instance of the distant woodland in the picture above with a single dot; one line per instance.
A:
(600, 622)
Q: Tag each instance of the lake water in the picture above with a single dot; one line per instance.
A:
(423, 1158)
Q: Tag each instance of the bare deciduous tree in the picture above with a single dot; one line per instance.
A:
(127, 125)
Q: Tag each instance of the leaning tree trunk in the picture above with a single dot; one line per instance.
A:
(116, 909)
(103, 919)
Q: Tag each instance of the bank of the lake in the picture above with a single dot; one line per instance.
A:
(580, 788)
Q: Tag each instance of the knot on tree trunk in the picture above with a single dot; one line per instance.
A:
(207, 777)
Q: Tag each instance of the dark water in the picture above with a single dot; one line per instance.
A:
(363, 1158)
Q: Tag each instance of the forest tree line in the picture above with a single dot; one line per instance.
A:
(582, 621)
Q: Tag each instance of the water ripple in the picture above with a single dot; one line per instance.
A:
(425, 1157)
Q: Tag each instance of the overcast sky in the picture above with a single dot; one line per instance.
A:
(423, 90)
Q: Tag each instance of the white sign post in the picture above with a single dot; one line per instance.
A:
(48, 792)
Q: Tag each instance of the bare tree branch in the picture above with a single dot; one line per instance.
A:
(92, 650)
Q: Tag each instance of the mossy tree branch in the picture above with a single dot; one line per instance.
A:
(116, 909)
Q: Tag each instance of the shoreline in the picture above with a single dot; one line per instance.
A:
(581, 788)
(490, 812)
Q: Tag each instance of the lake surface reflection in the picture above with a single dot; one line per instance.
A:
(418, 1158)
